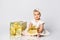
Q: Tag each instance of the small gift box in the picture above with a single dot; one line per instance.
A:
(32, 30)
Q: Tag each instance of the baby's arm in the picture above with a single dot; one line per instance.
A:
(30, 25)
(41, 28)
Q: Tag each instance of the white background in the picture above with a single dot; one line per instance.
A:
(16, 10)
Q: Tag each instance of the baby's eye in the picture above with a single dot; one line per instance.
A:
(34, 14)
(38, 14)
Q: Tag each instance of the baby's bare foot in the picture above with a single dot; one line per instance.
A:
(38, 35)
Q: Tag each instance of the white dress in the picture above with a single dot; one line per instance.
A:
(45, 32)
(39, 22)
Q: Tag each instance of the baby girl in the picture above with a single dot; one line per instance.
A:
(37, 22)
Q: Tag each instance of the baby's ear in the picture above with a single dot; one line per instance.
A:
(43, 23)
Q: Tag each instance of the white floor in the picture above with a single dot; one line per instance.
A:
(53, 36)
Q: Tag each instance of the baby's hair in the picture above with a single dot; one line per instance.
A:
(36, 10)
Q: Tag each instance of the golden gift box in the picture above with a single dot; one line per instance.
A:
(16, 28)
(32, 30)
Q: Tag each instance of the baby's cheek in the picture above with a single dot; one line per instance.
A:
(38, 16)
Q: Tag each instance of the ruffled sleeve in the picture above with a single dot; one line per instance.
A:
(42, 22)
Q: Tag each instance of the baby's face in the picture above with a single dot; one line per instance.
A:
(36, 15)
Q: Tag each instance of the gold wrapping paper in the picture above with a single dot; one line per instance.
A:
(16, 28)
